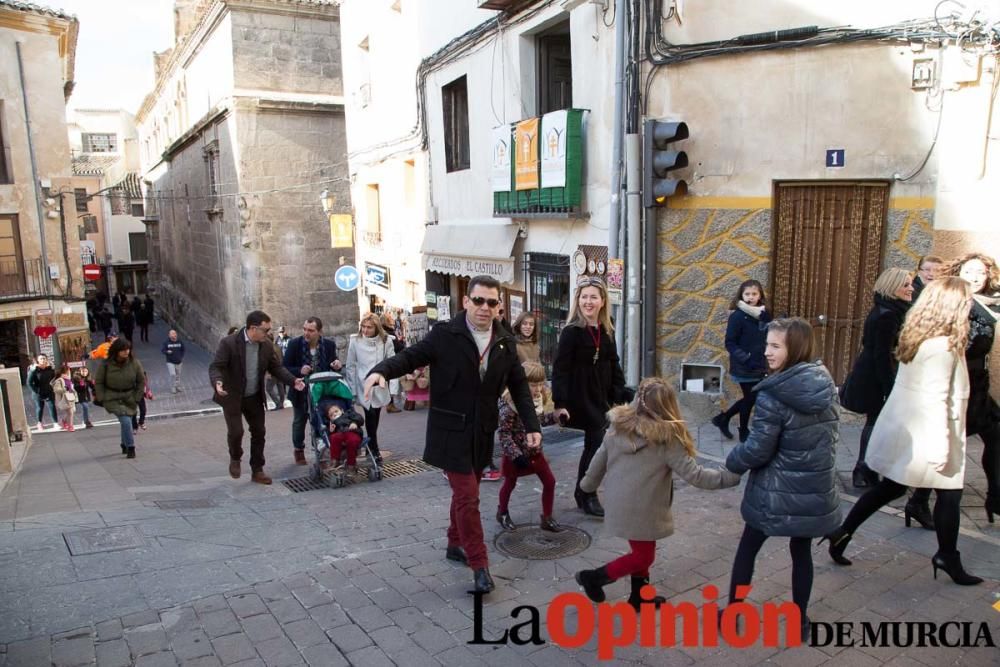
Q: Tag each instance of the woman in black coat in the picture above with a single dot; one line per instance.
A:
(746, 335)
(587, 377)
(871, 379)
(126, 322)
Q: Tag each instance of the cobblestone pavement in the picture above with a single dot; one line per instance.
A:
(206, 570)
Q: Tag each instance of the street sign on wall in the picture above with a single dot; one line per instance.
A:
(347, 278)
(377, 275)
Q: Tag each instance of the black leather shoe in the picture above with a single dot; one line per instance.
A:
(592, 506)
(482, 582)
(720, 422)
(456, 554)
(863, 476)
(580, 497)
(503, 518)
(920, 512)
(550, 524)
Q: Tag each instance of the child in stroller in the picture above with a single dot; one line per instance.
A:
(345, 433)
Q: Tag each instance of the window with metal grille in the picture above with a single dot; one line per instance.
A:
(455, 105)
(212, 175)
(82, 205)
(137, 246)
(547, 280)
(99, 143)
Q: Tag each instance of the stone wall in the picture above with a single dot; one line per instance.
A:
(704, 255)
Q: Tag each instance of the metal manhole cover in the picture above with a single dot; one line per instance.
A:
(185, 503)
(533, 543)
(100, 540)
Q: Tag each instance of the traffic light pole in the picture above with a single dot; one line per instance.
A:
(618, 134)
(633, 263)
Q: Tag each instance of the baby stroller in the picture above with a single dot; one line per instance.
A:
(325, 389)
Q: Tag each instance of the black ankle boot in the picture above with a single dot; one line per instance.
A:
(580, 497)
(720, 422)
(635, 599)
(863, 476)
(838, 540)
(952, 565)
(992, 506)
(919, 511)
(593, 582)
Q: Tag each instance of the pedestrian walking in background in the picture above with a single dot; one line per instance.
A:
(366, 349)
(526, 333)
(472, 359)
(84, 386)
(746, 334)
(307, 354)
(919, 438)
(118, 386)
(237, 375)
(587, 377)
(791, 458)
(40, 382)
(139, 419)
(388, 322)
(65, 396)
(105, 321)
(518, 458)
(173, 352)
(928, 269)
(126, 322)
(870, 381)
(144, 317)
(646, 445)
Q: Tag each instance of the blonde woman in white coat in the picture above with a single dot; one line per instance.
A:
(919, 438)
(368, 348)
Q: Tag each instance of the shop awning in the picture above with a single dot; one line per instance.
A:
(470, 250)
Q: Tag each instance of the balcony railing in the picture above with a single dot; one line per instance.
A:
(22, 280)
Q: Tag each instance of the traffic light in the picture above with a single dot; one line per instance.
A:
(657, 161)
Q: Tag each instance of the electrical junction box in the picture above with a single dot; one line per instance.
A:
(53, 272)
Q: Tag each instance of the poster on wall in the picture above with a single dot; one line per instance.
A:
(500, 173)
(526, 155)
(73, 347)
(432, 313)
(554, 149)
(516, 307)
(444, 308)
(615, 280)
(416, 328)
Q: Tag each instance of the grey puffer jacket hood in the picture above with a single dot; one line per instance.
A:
(791, 454)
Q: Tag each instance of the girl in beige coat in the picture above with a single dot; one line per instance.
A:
(919, 438)
(646, 444)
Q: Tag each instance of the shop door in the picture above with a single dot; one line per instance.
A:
(826, 256)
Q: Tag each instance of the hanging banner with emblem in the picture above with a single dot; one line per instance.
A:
(341, 231)
(554, 149)
(526, 155)
(500, 173)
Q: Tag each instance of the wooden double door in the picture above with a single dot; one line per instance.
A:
(827, 251)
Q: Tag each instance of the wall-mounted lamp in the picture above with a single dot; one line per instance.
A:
(328, 199)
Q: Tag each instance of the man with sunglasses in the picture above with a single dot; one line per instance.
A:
(237, 374)
(472, 359)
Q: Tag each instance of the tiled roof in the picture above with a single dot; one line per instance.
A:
(89, 164)
(20, 5)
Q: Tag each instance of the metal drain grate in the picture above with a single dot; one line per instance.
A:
(401, 468)
(533, 543)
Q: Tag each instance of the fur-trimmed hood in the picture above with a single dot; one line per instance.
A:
(638, 431)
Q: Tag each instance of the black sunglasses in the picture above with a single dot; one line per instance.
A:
(480, 300)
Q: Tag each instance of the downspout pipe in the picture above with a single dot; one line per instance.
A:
(39, 195)
(618, 129)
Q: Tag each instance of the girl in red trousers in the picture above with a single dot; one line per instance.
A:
(519, 459)
(646, 444)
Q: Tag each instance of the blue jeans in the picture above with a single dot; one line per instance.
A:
(299, 419)
(86, 412)
(52, 407)
(128, 439)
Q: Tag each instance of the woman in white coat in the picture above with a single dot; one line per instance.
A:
(367, 348)
(919, 438)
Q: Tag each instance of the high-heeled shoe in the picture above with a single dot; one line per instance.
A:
(952, 565)
(592, 506)
(838, 540)
(992, 507)
(919, 512)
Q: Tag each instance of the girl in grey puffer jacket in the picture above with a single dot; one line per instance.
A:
(790, 454)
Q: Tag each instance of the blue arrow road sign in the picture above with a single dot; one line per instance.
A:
(347, 278)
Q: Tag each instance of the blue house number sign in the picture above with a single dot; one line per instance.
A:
(347, 278)
(835, 157)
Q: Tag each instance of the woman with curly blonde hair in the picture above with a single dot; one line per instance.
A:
(919, 438)
(368, 348)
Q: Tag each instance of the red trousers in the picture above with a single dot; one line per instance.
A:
(539, 466)
(348, 439)
(637, 562)
(466, 527)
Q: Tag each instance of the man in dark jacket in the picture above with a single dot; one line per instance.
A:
(237, 374)
(472, 360)
(173, 350)
(307, 354)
